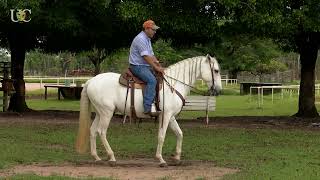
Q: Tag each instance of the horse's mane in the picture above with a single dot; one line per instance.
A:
(184, 70)
(183, 62)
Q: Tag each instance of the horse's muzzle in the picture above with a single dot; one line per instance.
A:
(213, 91)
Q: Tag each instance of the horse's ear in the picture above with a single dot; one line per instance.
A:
(208, 57)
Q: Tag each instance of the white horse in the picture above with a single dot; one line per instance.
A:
(106, 96)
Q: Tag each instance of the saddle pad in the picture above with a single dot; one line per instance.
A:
(124, 82)
(128, 75)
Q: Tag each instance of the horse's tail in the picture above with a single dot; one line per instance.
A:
(82, 143)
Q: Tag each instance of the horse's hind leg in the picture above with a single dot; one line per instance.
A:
(103, 127)
(93, 136)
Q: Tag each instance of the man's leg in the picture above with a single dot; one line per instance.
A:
(144, 73)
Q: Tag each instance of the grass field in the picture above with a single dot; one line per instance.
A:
(230, 103)
(227, 105)
(258, 153)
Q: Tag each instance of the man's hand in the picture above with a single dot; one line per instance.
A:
(157, 63)
(160, 69)
(154, 63)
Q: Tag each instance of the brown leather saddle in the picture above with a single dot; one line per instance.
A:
(132, 82)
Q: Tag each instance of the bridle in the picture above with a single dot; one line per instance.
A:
(212, 76)
(198, 91)
(207, 93)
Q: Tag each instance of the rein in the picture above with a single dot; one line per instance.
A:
(200, 92)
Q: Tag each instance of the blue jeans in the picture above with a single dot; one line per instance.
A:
(145, 74)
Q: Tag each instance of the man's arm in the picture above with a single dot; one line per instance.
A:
(154, 63)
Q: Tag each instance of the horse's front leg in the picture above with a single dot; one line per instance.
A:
(161, 136)
(177, 131)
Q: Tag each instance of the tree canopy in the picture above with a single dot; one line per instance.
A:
(81, 25)
(293, 24)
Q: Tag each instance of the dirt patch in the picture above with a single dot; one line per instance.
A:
(36, 117)
(142, 169)
(34, 86)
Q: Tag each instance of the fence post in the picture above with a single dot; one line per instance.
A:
(272, 95)
(258, 97)
(261, 95)
(250, 93)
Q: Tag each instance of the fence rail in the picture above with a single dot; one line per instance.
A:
(226, 81)
(289, 88)
(58, 79)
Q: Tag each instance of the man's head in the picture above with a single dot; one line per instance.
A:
(150, 28)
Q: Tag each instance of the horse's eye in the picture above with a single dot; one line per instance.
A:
(216, 71)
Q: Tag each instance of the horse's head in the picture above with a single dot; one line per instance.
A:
(210, 73)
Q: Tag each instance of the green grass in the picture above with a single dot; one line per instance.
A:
(40, 93)
(227, 105)
(54, 104)
(37, 93)
(230, 103)
(258, 153)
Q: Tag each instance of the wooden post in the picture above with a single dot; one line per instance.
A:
(258, 88)
(6, 85)
(207, 111)
(272, 94)
(250, 94)
(261, 95)
(59, 92)
(45, 92)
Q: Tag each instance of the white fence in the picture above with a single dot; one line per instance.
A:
(61, 80)
(290, 89)
(226, 81)
(58, 80)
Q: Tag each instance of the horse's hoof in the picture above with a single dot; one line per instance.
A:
(112, 163)
(177, 162)
(163, 165)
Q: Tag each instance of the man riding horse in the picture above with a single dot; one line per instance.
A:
(142, 62)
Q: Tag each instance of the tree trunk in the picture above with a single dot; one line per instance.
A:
(18, 42)
(260, 77)
(308, 49)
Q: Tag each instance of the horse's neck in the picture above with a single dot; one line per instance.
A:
(187, 71)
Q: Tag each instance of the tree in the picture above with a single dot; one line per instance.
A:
(268, 67)
(96, 56)
(65, 58)
(293, 24)
(4, 55)
(184, 22)
(54, 26)
(165, 53)
(246, 53)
